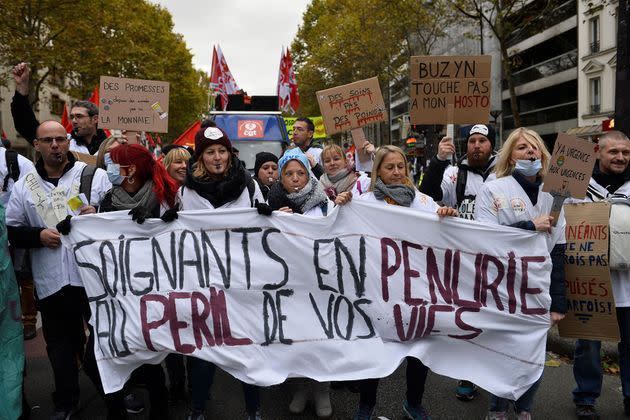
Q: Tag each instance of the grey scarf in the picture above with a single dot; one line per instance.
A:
(145, 197)
(308, 197)
(340, 182)
(402, 194)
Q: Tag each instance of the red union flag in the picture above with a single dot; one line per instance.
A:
(221, 80)
(295, 96)
(65, 119)
(251, 128)
(284, 91)
(288, 96)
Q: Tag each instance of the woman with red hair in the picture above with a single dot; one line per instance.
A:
(140, 183)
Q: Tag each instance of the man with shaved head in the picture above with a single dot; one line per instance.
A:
(39, 201)
(611, 178)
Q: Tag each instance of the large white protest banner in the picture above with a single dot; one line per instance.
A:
(343, 297)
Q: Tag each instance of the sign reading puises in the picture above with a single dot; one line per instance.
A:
(591, 305)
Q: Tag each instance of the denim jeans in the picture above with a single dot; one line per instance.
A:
(524, 403)
(202, 376)
(587, 364)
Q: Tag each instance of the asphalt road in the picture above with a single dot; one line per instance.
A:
(553, 400)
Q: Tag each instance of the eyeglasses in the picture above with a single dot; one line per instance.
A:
(49, 140)
(77, 116)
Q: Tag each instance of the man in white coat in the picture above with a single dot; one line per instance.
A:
(611, 177)
(39, 201)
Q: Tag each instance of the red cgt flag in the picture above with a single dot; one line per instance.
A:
(294, 101)
(288, 96)
(222, 82)
(284, 91)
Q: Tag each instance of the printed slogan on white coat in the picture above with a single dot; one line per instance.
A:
(337, 298)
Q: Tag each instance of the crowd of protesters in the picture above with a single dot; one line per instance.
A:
(307, 179)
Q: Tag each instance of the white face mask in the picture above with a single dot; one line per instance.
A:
(113, 170)
(528, 167)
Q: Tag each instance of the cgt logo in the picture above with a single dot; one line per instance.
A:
(251, 128)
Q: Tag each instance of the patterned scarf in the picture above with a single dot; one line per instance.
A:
(144, 197)
(399, 194)
(340, 182)
(300, 202)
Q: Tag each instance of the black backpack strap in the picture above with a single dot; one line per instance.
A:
(13, 168)
(593, 194)
(251, 189)
(460, 187)
(87, 175)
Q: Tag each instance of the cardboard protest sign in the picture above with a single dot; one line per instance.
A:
(267, 297)
(590, 298)
(133, 104)
(320, 130)
(84, 157)
(352, 106)
(449, 89)
(570, 167)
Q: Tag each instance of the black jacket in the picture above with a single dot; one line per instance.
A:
(26, 124)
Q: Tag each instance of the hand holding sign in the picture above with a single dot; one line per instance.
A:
(446, 148)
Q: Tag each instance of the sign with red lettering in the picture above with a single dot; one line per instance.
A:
(267, 297)
(590, 297)
(570, 167)
(253, 129)
(449, 89)
(351, 106)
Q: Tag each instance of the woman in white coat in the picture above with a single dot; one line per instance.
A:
(516, 199)
(299, 192)
(216, 179)
(392, 185)
(340, 175)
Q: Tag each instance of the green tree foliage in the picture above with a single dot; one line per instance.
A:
(506, 19)
(342, 41)
(78, 41)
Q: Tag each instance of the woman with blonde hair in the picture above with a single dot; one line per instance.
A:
(391, 185)
(217, 179)
(176, 162)
(339, 175)
(516, 199)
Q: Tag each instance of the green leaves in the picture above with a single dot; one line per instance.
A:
(80, 40)
(342, 41)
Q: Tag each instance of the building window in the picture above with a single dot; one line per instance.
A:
(595, 94)
(593, 25)
(56, 105)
